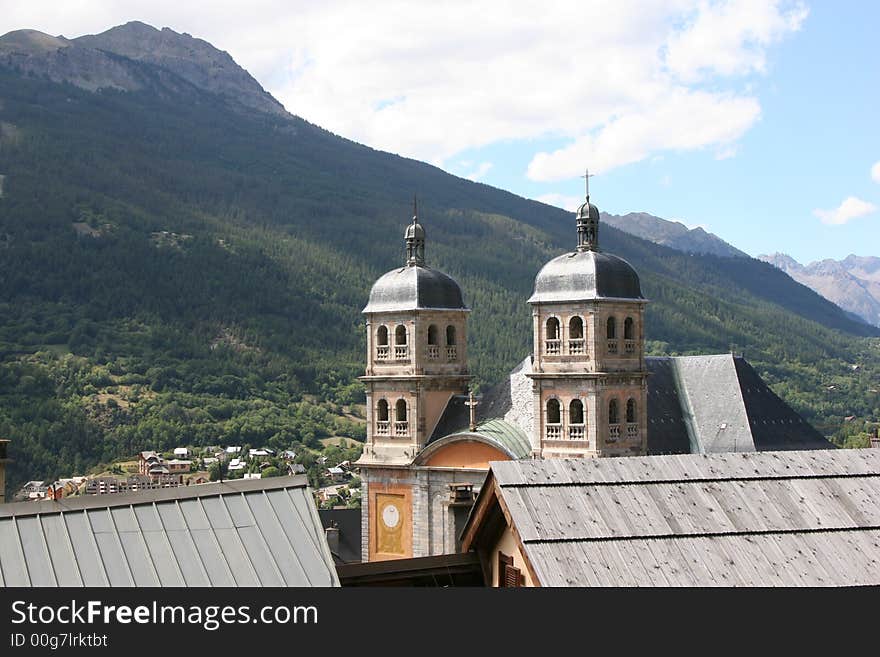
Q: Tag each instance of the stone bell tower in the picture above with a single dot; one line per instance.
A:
(416, 361)
(589, 374)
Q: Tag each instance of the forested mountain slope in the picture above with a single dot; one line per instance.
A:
(176, 268)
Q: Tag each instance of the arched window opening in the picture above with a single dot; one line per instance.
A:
(611, 334)
(401, 426)
(632, 423)
(401, 351)
(382, 348)
(451, 349)
(576, 336)
(382, 418)
(613, 421)
(551, 335)
(433, 342)
(613, 412)
(629, 341)
(554, 419)
(576, 420)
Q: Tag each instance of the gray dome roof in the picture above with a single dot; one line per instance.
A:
(414, 231)
(586, 275)
(588, 211)
(414, 288)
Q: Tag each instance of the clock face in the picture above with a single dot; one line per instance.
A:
(390, 516)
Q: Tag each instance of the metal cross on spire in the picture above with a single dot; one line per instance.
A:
(415, 209)
(587, 175)
(472, 403)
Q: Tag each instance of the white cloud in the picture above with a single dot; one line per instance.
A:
(851, 208)
(480, 171)
(570, 203)
(875, 172)
(613, 82)
(730, 37)
(682, 120)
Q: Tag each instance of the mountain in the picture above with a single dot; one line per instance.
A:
(108, 61)
(673, 234)
(852, 283)
(178, 266)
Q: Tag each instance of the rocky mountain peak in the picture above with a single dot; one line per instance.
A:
(110, 60)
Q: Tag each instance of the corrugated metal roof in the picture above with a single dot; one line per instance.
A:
(240, 533)
(761, 518)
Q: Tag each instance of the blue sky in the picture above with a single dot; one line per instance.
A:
(756, 119)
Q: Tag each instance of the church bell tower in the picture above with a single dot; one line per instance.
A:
(588, 362)
(416, 324)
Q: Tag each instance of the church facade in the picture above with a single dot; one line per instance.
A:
(587, 390)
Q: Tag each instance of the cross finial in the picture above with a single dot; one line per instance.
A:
(415, 209)
(587, 175)
(472, 403)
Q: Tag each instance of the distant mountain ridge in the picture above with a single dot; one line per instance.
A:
(673, 234)
(852, 283)
(104, 61)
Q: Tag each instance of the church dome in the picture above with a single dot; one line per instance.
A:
(414, 288)
(588, 212)
(414, 231)
(586, 275)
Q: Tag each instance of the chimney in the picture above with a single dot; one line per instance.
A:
(4, 459)
(332, 534)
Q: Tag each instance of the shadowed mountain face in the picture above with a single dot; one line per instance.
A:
(673, 234)
(852, 283)
(173, 262)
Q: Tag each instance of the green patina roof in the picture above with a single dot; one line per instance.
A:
(508, 436)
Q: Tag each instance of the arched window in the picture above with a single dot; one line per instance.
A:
(553, 414)
(576, 412)
(613, 412)
(551, 333)
(628, 329)
(631, 411)
(400, 335)
(433, 350)
(382, 418)
(401, 426)
(450, 335)
(575, 336)
(611, 328)
(382, 348)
